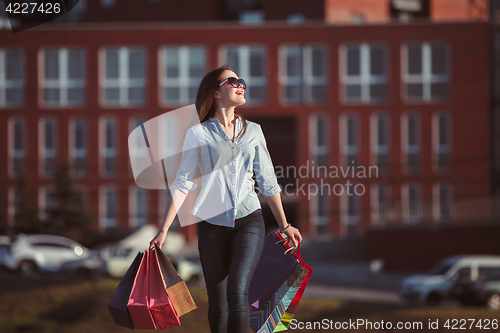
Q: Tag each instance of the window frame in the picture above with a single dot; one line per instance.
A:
(123, 80)
(63, 82)
(184, 80)
(6, 83)
(365, 77)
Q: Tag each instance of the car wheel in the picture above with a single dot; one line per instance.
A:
(29, 269)
(493, 302)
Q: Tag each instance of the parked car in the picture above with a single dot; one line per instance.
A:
(33, 254)
(120, 255)
(85, 268)
(4, 250)
(484, 291)
(437, 285)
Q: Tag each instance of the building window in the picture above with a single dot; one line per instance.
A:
(380, 142)
(364, 73)
(349, 139)
(442, 142)
(411, 142)
(351, 210)
(138, 148)
(78, 146)
(108, 149)
(297, 18)
(412, 203)
(303, 74)
(380, 204)
(11, 77)
(320, 212)
(108, 207)
(251, 17)
(426, 75)
(17, 146)
(63, 78)
(108, 3)
(45, 202)
(442, 202)
(182, 69)
(15, 202)
(249, 63)
(123, 76)
(47, 146)
(319, 137)
(138, 206)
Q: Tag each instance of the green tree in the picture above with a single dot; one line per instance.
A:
(68, 216)
(25, 207)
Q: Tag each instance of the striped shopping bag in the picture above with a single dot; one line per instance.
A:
(262, 319)
(292, 306)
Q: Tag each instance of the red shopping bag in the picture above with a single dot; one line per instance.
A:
(160, 304)
(138, 301)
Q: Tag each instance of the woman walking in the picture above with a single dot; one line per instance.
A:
(230, 242)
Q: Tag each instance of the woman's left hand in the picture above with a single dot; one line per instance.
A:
(294, 234)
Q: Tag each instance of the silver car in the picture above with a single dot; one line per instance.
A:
(33, 254)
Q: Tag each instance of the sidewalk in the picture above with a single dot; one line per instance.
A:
(352, 294)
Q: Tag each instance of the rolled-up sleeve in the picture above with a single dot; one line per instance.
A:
(263, 168)
(189, 163)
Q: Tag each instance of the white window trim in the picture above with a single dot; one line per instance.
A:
(5, 83)
(345, 148)
(316, 150)
(185, 81)
(107, 152)
(11, 209)
(346, 219)
(102, 206)
(244, 70)
(426, 77)
(406, 204)
(375, 211)
(364, 79)
(44, 152)
(63, 83)
(406, 148)
(74, 152)
(316, 219)
(124, 81)
(16, 153)
(440, 148)
(306, 78)
(132, 197)
(375, 147)
(437, 202)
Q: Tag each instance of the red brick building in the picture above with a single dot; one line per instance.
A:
(412, 100)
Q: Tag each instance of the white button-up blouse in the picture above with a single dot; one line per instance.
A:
(227, 169)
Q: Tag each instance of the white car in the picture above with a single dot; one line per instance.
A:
(32, 254)
(438, 283)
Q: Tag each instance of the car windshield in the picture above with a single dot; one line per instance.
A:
(442, 267)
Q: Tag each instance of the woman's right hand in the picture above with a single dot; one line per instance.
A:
(159, 239)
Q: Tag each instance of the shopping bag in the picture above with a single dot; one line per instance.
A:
(159, 303)
(272, 270)
(176, 288)
(118, 304)
(266, 319)
(292, 307)
(138, 300)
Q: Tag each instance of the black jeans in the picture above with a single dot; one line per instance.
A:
(229, 256)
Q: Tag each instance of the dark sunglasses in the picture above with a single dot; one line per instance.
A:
(234, 82)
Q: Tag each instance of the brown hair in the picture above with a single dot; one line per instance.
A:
(205, 99)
